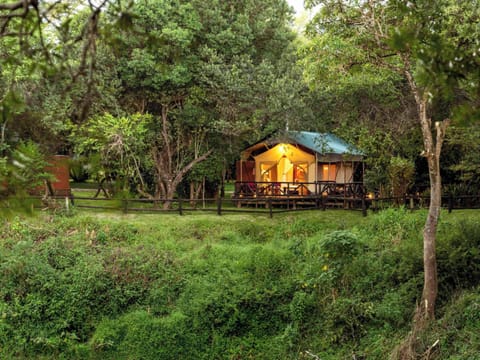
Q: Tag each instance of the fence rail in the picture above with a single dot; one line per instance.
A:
(262, 205)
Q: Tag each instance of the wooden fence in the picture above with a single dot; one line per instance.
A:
(267, 206)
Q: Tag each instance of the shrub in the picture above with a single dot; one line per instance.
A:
(458, 256)
(346, 318)
(341, 246)
(81, 288)
(394, 225)
(28, 167)
(459, 329)
(338, 250)
(140, 335)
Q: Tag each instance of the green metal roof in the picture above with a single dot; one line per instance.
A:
(323, 143)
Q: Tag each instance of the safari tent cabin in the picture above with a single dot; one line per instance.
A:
(300, 163)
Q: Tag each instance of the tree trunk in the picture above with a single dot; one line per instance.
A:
(432, 152)
(169, 194)
(425, 311)
(430, 286)
(167, 182)
(195, 189)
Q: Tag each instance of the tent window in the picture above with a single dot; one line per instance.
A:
(329, 172)
(300, 172)
(268, 172)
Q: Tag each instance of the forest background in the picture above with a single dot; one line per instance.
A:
(158, 97)
(162, 97)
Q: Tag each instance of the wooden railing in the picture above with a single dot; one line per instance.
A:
(255, 189)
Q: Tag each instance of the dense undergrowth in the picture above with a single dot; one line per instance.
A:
(330, 284)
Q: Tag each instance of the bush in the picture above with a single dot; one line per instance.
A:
(338, 250)
(341, 246)
(394, 225)
(51, 293)
(459, 329)
(27, 172)
(346, 319)
(458, 256)
(140, 335)
(81, 288)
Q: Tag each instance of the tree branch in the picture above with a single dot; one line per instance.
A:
(19, 4)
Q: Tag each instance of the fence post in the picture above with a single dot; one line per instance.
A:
(450, 203)
(270, 210)
(125, 205)
(324, 202)
(219, 205)
(180, 206)
(364, 206)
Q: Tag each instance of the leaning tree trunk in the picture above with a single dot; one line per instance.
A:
(168, 181)
(432, 151)
(176, 178)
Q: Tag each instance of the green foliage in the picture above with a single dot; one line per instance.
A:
(357, 60)
(122, 145)
(395, 225)
(401, 172)
(458, 256)
(466, 164)
(463, 324)
(142, 336)
(198, 287)
(340, 246)
(78, 169)
(25, 170)
(458, 329)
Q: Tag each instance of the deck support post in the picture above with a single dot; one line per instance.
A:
(219, 206)
(180, 207)
(364, 206)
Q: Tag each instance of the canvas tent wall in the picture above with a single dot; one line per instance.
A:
(285, 163)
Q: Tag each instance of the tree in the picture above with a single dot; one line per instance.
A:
(157, 68)
(48, 53)
(41, 34)
(467, 162)
(200, 69)
(122, 145)
(430, 45)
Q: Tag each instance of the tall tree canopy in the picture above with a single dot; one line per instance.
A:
(432, 47)
(200, 68)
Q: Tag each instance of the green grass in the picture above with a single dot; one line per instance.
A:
(107, 285)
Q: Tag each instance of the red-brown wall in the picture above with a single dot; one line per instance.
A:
(245, 170)
(59, 168)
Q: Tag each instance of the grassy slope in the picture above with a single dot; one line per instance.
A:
(237, 286)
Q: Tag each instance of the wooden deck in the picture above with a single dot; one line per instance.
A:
(318, 194)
